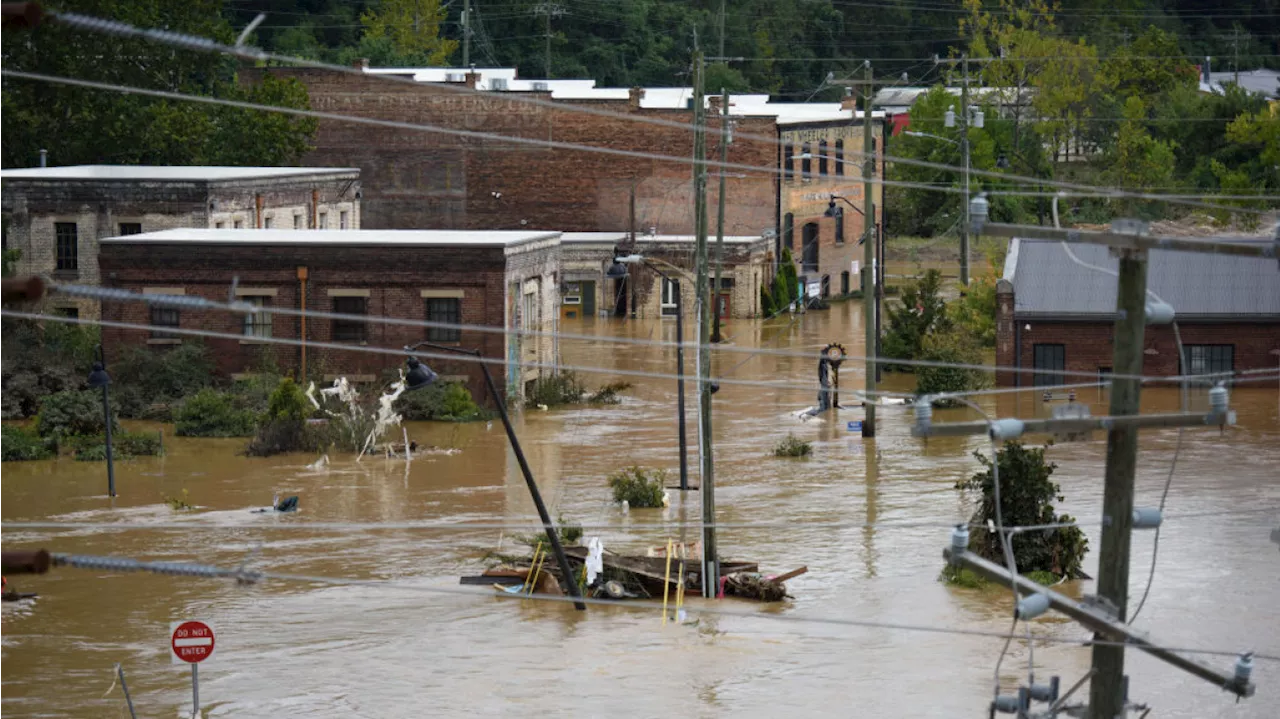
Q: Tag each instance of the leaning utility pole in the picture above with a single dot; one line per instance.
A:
(869, 256)
(724, 160)
(1107, 694)
(466, 33)
(710, 565)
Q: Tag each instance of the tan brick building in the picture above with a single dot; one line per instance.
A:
(503, 280)
(56, 216)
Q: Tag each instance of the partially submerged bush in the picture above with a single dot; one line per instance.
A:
(441, 401)
(608, 394)
(21, 444)
(179, 503)
(151, 378)
(210, 413)
(283, 427)
(953, 347)
(567, 388)
(41, 358)
(639, 487)
(792, 446)
(71, 413)
(124, 445)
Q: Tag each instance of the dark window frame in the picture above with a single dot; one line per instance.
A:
(789, 232)
(444, 309)
(66, 246)
(788, 162)
(845, 278)
(839, 218)
(822, 157)
(165, 317)
(1209, 359)
(806, 161)
(1048, 356)
(839, 169)
(805, 264)
(130, 228)
(350, 330)
(258, 324)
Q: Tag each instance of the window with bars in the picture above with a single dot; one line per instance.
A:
(130, 228)
(822, 157)
(164, 317)
(258, 323)
(349, 330)
(67, 248)
(1209, 359)
(446, 310)
(839, 157)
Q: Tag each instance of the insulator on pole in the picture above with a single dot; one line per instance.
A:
(1008, 428)
(1147, 517)
(1244, 668)
(1219, 399)
(959, 542)
(1044, 692)
(1032, 606)
(1159, 313)
(924, 413)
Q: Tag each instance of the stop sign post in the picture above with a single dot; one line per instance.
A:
(191, 642)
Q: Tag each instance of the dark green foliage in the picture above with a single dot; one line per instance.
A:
(147, 380)
(1027, 497)
(43, 358)
(22, 444)
(558, 389)
(639, 487)
(124, 445)
(609, 394)
(792, 446)
(284, 427)
(288, 403)
(569, 534)
(922, 312)
(71, 413)
(210, 413)
(766, 301)
(952, 346)
(441, 401)
(790, 280)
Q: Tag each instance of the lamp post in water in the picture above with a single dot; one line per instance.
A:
(99, 378)
(420, 375)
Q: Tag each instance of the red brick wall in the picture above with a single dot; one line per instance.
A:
(415, 179)
(394, 277)
(1089, 345)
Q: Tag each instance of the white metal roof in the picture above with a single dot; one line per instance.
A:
(403, 238)
(173, 173)
(621, 236)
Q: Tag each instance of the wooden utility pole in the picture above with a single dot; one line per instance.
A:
(710, 565)
(964, 150)
(724, 160)
(869, 256)
(466, 33)
(1106, 699)
(720, 55)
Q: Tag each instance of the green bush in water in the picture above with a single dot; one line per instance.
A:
(124, 445)
(639, 487)
(21, 444)
(441, 401)
(559, 389)
(283, 427)
(71, 413)
(792, 446)
(210, 413)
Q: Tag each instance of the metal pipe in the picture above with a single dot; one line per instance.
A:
(125, 686)
(106, 416)
(1084, 424)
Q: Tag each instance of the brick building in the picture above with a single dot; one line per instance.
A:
(586, 256)
(57, 215)
(504, 280)
(433, 180)
(1055, 314)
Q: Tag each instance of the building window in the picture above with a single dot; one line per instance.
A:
(668, 296)
(342, 220)
(1049, 361)
(447, 310)
(239, 224)
(806, 161)
(789, 231)
(826, 286)
(68, 246)
(72, 312)
(219, 225)
(809, 261)
(844, 282)
(532, 314)
(788, 162)
(1209, 359)
(839, 218)
(298, 223)
(130, 228)
(349, 330)
(163, 317)
(257, 323)
(839, 157)
(323, 222)
(822, 157)
(266, 222)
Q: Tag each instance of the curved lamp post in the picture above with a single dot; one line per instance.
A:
(420, 375)
(99, 378)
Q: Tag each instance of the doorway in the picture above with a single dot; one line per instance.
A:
(809, 261)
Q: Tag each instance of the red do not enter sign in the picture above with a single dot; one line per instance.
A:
(192, 642)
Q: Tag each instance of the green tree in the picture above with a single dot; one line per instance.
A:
(921, 313)
(413, 28)
(1138, 161)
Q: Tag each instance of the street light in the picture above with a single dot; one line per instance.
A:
(420, 375)
(99, 378)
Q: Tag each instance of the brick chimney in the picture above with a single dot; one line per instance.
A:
(849, 102)
(471, 79)
(361, 63)
(1005, 332)
(635, 96)
(713, 102)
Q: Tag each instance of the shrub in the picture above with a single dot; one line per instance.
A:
(639, 487)
(608, 394)
(124, 445)
(21, 444)
(442, 401)
(283, 427)
(288, 402)
(951, 346)
(921, 314)
(559, 389)
(1027, 496)
(41, 358)
(974, 313)
(149, 380)
(210, 413)
(179, 503)
(71, 413)
(792, 446)
(254, 392)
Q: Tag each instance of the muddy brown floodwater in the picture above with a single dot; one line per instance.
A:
(287, 649)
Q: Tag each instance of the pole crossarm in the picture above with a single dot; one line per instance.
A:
(1133, 241)
(1010, 428)
(1099, 621)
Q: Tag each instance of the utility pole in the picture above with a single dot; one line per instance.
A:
(869, 256)
(725, 138)
(710, 563)
(964, 150)
(466, 33)
(548, 9)
(721, 53)
(1106, 699)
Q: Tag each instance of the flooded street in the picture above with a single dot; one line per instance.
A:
(307, 650)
